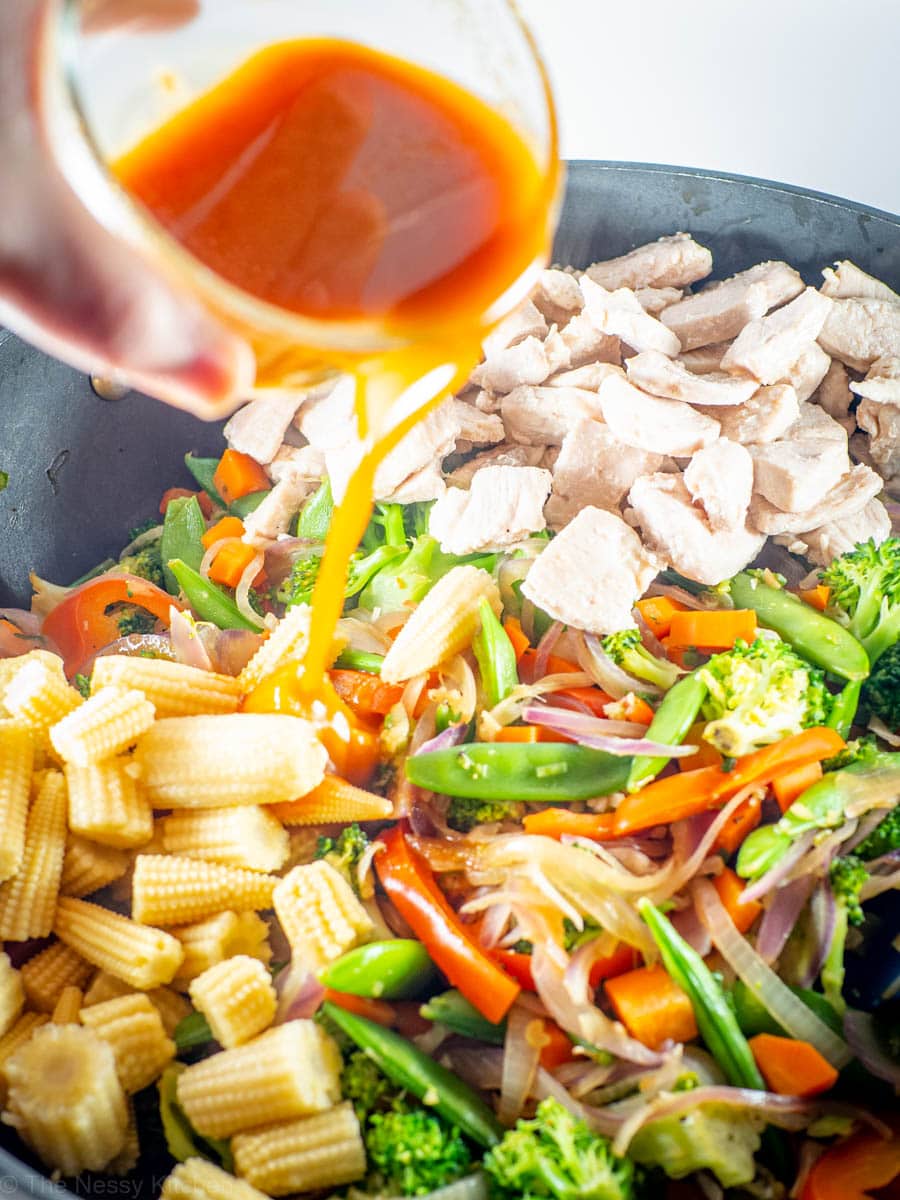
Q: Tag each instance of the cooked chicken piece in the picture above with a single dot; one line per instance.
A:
(767, 415)
(526, 362)
(557, 296)
(654, 300)
(476, 428)
(326, 417)
(662, 376)
(674, 262)
(813, 422)
(618, 313)
(506, 455)
(808, 371)
(594, 467)
(523, 322)
(882, 383)
(837, 537)
(851, 494)
(849, 280)
(502, 506)
(859, 331)
(720, 479)
(704, 360)
(273, 517)
(768, 347)
(649, 423)
(587, 345)
(882, 423)
(591, 574)
(259, 427)
(677, 530)
(834, 395)
(794, 474)
(721, 310)
(484, 401)
(543, 416)
(298, 462)
(590, 376)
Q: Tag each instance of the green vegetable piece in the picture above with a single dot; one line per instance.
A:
(192, 1031)
(203, 470)
(410, 1068)
(832, 973)
(495, 655)
(465, 813)
(100, 569)
(717, 1023)
(399, 969)
(883, 839)
(183, 529)
(813, 635)
(360, 660)
(367, 1088)
(182, 1140)
(865, 593)
(545, 771)
(4, 480)
(677, 712)
(710, 1137)
(454, 1010)
(209, 602)
(83, 684)
(881, 693)
(761, 850)
(627, 651)
(847, 876)
(245, 505)
(344, 852)
(844, 706)
(557, 1155)
(314, 519)
(753, 1016)
(413, 1153)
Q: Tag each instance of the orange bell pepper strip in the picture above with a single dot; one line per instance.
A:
(555, 822)
(411, 887)
(238, 475)
(80, 625)
(624, 958)
(651, 1007)
(718, 629)
(528, 735)
(818, 596)
(856, 1168)
(557, 1048)
(378, 1011)
(705, 755)
(657, 612)
(512, 627)
(791, 784)
(730, 889)
(791, 1067)
(368, 695)
(739, 825)
(690, 792)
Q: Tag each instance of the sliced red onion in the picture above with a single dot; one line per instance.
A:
(859, 1028)
(453, 735)
(682, 595)
(878, 727)
(578, 973)
(689, 925)
(601, 668)
(823, 916)
(866, 824)
(521, 1057)
(875, 885)
(593, 732)
(290, 545)
(26, 622)
(574, 705)
(299, 993)
(229, 650)
(781, 916)
(187, 645)
(649, 639)
(772, 879)
(545, 649)
(159, 645)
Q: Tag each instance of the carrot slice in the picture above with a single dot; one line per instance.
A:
(555, 665)
(238, 475)
(718, 629)
(658, 611)
(554, 822)
(651, 1007)
(513, 628)
(818, 597)
(705, 755)
(528, 734)
(231, 562)
(368, 695)
(791, 1067)
(791, 784)
(629, 708)
(557, 1048)
(378, 1011)
(228, 527)
(730, 888)
(739, 825)
(855, 1168)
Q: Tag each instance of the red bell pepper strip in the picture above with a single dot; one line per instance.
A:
(80, 626)
(411, 887)
(623, 958)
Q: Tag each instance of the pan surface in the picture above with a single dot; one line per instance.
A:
(82, 470)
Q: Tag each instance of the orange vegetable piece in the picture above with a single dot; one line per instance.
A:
(554, 822)
(791, 784)
(705, 755)
(227, 527)
(378, 1011)
(368, 695)
(855, 1168)
(739, 825)
(238, 475)
(230, 563)
(818, 597)
(590, 697)
(515, 633)
(791, 1067)
(629, 708)
(528, 734)
(174, 493)
(658, 611)
(555, 665)
(557, 1048)
(718, 629)
(730, 888)
(652, 1007)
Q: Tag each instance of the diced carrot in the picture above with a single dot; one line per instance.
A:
(231, 562)
(629, 708)
(657, 612)
(730, 888)
(555, 822)
(857, 1168)
(818, 596)
(739, 825)
(516, 635)
(238, 475)
(171, 494)
(791, 1067)
(378, 1011)
(706, 755)
(557, 1048)
(591, 697)
(675, 653)
(528, 734)
(791, 784)
(651, 1007)
(555, 665)
(717, 629)
(368, 695)
(228, 527)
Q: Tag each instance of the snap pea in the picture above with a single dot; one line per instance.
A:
(192, 1031)
(245, 505)
(753, 1016)
(410, 1068)
(399, 969)
(100, 569)
(203, 470)
(495, 655)
(844, 708)
(360, 660)
(677, 712)
(454, 1010)
(545, 771)
(315, 516)
(183, 528)
(209, 602)
(811, 633)
(717, 1023)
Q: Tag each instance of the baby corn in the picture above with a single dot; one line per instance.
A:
(132, 1026)
(249, 837)
(55, 968)
(103, 726)
(12, 994)
(88, 866)
(198, 1179)
(170, 890)
(320, 915)
(237, 998)
(333, 802)
(106, 805)
(217, 938)
(174, 690)
(139, 954)
(16, 764)
(323, 1151)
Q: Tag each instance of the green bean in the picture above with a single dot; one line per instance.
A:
(209, 602)
(717, 1023)
(677, 712)
(496, 656)
(360, 660)
(398, 969)
(203, 470)
(315, 516)
(844, 708)
(182, 531)
(454, 1010)
(412, 1069)
(811, 633)
(245, 505)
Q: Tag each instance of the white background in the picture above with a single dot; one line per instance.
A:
(800, 91)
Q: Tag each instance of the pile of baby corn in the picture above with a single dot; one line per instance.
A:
(158, 778)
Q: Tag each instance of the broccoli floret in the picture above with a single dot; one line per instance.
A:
(83, 684)
(298, 587)
(881, 691)
(556, 1155)
(573, 937)
(710, 1137)
(865, 593)
(627, 651)
(144, 527)
(883, 839)
(759, 694)
(847, 875)
(135, 620)
(145, 563)
(405, 580)
(464, 814)
(344, 852)
(860, 750)
(412, 1152)
(365, 1086)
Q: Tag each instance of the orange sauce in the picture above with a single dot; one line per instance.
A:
(349, 187)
